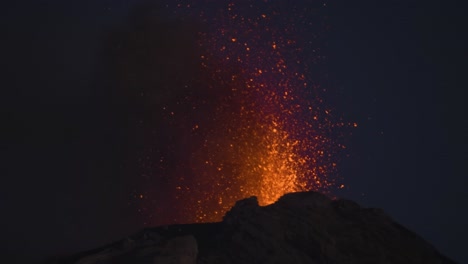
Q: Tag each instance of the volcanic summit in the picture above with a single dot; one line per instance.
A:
(302, 227)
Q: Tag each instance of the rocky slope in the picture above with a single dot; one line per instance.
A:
(305, 227)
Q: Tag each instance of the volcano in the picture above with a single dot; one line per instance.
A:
(301, 227)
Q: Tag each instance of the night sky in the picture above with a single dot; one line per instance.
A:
(119, 115)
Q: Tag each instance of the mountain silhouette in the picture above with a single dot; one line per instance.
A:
(303, 227)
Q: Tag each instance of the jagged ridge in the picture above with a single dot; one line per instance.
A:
(305, 227)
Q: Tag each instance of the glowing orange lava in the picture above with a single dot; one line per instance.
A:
(270, 134)
(274, 141)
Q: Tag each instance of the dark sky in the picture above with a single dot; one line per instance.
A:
(72, 127)
(398, 69)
